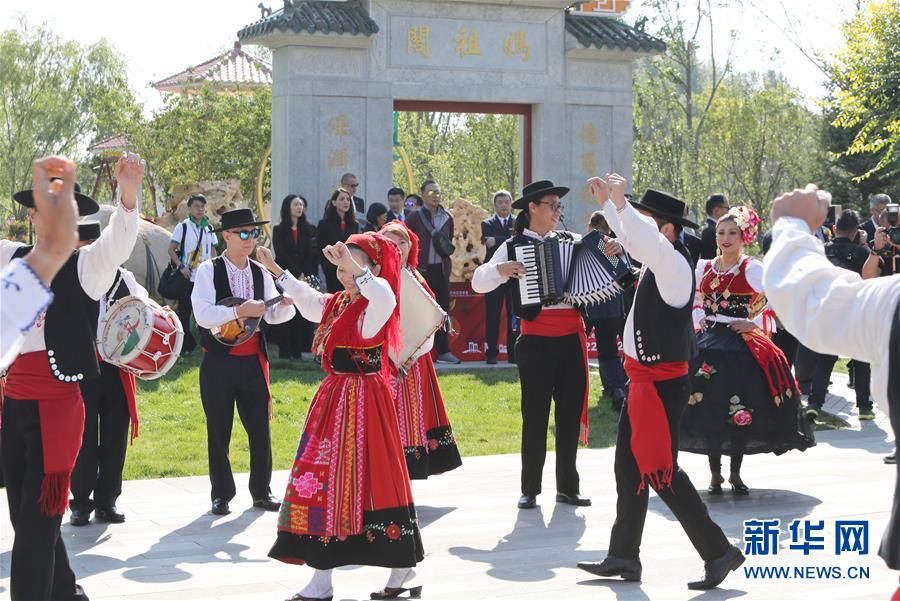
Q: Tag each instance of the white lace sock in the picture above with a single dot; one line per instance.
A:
(319, 586)
(399, 577)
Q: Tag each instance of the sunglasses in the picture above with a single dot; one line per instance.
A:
(554, 206)
(410, 203)
(247, 234)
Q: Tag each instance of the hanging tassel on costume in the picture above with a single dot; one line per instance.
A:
(54, 498)
(773, 363)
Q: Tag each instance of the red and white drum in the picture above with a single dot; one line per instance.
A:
(141, 337)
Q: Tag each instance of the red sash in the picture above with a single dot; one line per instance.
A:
(651, 442)
(562, 322)
(61, 414)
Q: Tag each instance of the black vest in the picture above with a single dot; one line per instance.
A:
(529, 313)
(663, 334)
(70, 327)
(223, 291)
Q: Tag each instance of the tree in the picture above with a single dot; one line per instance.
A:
(866, 74)
(207, 136)
(56, 97)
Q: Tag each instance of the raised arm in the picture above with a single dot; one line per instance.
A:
(309, 301)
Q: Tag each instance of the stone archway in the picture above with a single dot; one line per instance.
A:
(341, 67)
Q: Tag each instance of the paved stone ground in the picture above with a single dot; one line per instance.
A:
(479, 546)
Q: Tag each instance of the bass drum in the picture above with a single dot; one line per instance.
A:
(140, 337)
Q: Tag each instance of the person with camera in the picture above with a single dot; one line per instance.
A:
(810, 295)
(877, 205)
(193, 242)
(845, 251)
(886, 241)
(433, 224)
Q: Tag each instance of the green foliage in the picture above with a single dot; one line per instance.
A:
(866, 77)
(483, 405)
(208, 136)
(56, 97)
(471, 155)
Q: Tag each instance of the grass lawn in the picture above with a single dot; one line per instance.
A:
(483, 406)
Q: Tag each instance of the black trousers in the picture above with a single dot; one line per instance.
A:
(787, 343)
(681, 498)
(821, 376)
(40, 567)
(185, 311)
(550, 367)
(612, 373)
(804, 363)
(440, 284)
(226, 381)
(98, 470)
(493, 307)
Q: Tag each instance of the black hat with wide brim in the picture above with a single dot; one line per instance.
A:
(536, 191)
(88, 230)
(86, 204)
(238, 218)
(665, 206)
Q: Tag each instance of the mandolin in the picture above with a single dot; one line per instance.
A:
(239, 331)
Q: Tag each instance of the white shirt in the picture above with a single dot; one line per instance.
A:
(754, 276)
(97, 264)
(23, 297)
(187, 248)
(641, 238)
(487, 277)
(209, 315)
(311, 303)
(829, 309)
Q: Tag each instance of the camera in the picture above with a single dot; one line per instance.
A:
(892, 214)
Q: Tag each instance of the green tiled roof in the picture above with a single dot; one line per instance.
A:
(608, 32)
(314, 17)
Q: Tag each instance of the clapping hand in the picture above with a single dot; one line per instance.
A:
(129, 175)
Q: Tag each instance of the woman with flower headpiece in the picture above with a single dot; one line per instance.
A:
(348, 499)
(425, 430)
(744, 398)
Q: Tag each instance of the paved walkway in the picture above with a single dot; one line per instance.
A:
(479, 546)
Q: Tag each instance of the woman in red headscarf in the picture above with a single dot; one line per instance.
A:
(348, 499)
(425, 430)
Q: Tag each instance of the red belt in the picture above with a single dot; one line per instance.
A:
(562, 322)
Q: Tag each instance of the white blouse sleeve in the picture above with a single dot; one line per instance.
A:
(697, 313)
(309, 301)
(486, 276)
(381, 303)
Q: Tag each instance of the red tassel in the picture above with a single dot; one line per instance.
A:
(54, 497)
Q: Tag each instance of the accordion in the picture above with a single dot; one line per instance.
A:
(560, 270)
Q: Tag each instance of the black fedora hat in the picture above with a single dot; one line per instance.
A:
(666, 206)
(88, 230)
(86, 204)
(238, 218)
(536, 191)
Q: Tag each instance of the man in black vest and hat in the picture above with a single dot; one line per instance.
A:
(43, 413)
(110, 405)
(239, 374)
(551, 353)
(659, 343)
(809, 294)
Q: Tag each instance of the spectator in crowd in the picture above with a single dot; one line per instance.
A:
(434, 227)
(607, 321)
(716, 206)
(845, 251)
(376, 216)
(338, 224)
(877, 204)
(350, 183)
(397, 210)
(494, 232)
(888, 252)
(413, 202)
(193, 242)
(294, 243)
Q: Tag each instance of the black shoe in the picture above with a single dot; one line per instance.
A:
(812, 411)
(891, 459)
(80, 517)
(717, 569)
(715, 489)
(394, 593)
(220, 507)
(109, 514)
(739, 489)
(576, 499)
(527, 502)
(299, 597)
(489, 361)
(79, 594)
(628, 569)
(866, 414)
(269, 503)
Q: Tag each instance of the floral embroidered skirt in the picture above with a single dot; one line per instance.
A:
(732, 409)
(425, 430)
(348, 499)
